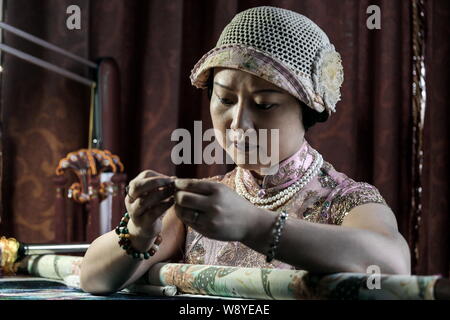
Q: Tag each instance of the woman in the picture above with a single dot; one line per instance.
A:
(271, 69)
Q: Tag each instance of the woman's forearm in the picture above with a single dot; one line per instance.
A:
(326, 248)
(106, 268)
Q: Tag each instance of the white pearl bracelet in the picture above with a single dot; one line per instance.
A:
(277, 230)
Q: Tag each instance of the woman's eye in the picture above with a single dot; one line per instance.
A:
(265, 106)
(262, 106)
(226, 102)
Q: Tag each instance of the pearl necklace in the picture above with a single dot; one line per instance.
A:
(283, 196)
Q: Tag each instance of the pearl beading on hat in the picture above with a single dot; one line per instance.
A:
(283, 196)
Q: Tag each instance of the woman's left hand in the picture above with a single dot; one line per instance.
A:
(222, 213)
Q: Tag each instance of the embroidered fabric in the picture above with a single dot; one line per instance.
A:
(327, 199)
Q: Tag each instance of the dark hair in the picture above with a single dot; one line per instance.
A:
(310, 117)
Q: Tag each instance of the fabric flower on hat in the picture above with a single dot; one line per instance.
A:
(328, 75)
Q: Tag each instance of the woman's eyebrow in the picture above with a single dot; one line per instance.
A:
(257, 91)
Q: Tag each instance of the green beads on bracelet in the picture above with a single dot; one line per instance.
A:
(125, 242)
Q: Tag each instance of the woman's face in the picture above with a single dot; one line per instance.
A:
(244, 103)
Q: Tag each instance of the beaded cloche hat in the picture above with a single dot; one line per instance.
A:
(282, 47)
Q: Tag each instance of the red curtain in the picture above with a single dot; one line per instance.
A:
(434, 233)
(156, 43)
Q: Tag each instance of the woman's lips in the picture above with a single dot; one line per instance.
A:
(244, 147)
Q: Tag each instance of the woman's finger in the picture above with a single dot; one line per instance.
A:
(147, 174)
(151, 199)
(140, 187)
(192, 200)
(161, 207)
(187, 215)
(197, 186)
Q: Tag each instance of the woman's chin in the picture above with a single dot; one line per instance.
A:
(249, 160)
(252, 167)
(244, 159)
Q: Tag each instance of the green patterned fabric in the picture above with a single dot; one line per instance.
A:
(254, 283)
(290, 284)
(51, 266)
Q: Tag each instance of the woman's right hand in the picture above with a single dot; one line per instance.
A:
(149, 196)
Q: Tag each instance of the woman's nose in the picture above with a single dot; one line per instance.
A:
(242, 118)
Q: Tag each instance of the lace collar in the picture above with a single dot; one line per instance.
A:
(290, 170)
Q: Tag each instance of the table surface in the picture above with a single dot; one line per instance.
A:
(32, 288)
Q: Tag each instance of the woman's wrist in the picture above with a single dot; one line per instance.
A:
(265, 233)
(142, 241)
(259, 226)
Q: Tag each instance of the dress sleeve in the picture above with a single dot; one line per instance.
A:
(351, 195)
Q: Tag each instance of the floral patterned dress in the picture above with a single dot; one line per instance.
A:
(327, 198)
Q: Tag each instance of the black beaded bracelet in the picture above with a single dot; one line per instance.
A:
(278, 228)
(125, 242)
